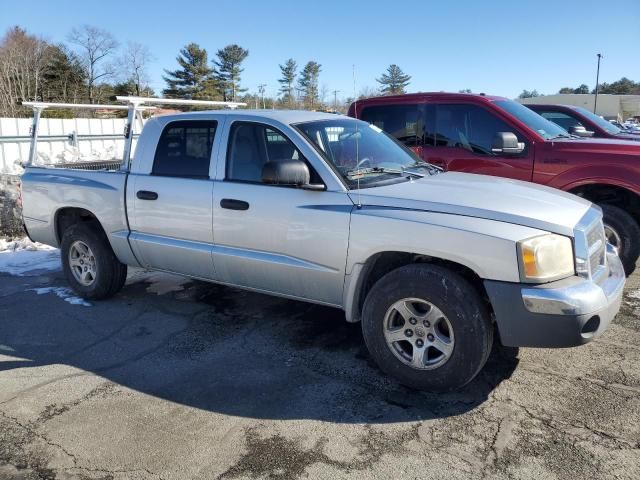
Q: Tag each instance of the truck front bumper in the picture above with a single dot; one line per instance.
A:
(564, 313)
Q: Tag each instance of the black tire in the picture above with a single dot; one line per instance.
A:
(110, 272)
(457, 300)
(628, 232)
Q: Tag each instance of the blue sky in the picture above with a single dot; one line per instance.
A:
(494, 46)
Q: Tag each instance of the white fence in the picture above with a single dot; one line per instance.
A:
(106, 141)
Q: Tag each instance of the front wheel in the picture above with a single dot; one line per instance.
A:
(427, 327)
(89, 264)
(622, 231)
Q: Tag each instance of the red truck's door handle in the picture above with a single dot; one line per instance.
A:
(146, 195)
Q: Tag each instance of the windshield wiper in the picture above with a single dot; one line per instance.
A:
(562, 135)
(429, 166)
(364, 171)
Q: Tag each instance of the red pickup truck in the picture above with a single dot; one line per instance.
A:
(582, 122)
(497, 136)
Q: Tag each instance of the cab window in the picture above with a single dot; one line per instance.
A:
(562, 119)
(251, 145)
(184, 149)
(469, 127)
(403, 122)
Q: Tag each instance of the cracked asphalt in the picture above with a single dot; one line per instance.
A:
(205, 381)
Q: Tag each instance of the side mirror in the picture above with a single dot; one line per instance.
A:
(507, 143)
(293, 173)
(580, 131)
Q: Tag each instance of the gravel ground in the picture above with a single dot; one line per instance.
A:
(175, 379)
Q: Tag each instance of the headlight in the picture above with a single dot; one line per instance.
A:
(545, 258)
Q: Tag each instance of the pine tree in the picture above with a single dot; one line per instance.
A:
(228, 70)
(308, 83)
(194, 79)
(64, 79)
(394, 81)
(287, 81)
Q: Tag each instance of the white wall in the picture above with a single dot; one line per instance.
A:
(618, 107)
(13, 153)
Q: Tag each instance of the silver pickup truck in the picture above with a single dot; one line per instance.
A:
(331, 210)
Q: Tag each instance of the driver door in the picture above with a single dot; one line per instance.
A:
(275, 238)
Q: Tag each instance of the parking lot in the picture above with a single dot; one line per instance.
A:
(181, 379)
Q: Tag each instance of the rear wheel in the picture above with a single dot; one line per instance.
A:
(427, 327)
(622, 231)
(89, 264)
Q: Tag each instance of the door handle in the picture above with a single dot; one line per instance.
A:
(233, 204)
(146, 195)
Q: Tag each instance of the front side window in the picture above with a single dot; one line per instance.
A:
(598, 120)
(184, 149)
(361, 153)
(546, 129)
(562, 119)
(251, 146)
(467, 126)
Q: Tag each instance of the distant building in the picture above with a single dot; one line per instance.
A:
(611, 107)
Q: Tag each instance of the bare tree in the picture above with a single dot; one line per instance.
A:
(135, 63)
(95, 46)
(23, 61)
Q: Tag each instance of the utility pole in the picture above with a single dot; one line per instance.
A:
(335, 99)
(595, 102)
(261, 88)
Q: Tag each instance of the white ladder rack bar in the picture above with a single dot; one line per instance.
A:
(38, 107)
(135, 103)
(178, 101)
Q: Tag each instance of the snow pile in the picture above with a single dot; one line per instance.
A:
(72, 154)
(17, 257)
(63, 293)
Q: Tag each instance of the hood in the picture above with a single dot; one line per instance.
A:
(629, 136)
(482, 196)
(608, 146)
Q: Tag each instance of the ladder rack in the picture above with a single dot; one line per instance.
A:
(134, 106)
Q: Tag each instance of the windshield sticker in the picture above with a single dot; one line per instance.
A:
(542, 131)
(373, 127)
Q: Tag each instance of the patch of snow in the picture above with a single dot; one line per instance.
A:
(161, 283)
(17, 257)
(63, 293)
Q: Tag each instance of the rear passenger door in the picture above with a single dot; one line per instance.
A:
(459, 137)
(170, 212)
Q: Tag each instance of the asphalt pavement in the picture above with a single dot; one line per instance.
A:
(178, 379)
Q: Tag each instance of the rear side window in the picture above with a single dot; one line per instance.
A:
(404, 122)
(184, 149)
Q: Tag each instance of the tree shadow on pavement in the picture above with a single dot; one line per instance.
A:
(227, 351)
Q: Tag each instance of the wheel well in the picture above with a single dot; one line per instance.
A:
(611, 195)
(66, 217)
(378, 265)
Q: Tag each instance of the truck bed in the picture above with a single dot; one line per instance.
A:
(49, 192)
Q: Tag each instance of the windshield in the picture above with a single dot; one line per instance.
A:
(546, 129)
(601, 122)
(362, 153)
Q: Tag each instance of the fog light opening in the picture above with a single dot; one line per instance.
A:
(590, 327)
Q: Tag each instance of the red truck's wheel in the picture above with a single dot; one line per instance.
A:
(89, 264)
(623, 233)
(427, 327)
